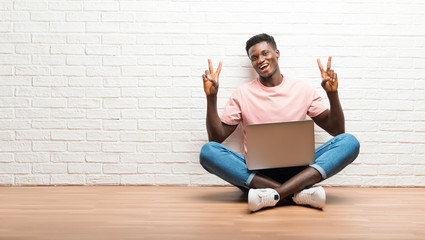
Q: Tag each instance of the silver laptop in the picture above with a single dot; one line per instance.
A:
(276, 145)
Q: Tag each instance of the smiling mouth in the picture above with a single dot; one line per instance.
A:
(264, 66)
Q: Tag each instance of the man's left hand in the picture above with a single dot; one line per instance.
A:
(329, 77)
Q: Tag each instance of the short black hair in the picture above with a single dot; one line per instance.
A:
(263, 37)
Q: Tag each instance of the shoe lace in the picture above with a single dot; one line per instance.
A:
(303, 197)
(267, 197)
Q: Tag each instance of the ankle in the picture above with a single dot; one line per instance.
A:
(260, 181)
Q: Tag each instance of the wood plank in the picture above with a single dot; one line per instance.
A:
(152, 212)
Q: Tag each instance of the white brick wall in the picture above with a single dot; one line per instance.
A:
(110, 92)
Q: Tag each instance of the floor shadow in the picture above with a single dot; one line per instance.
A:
(237, 195)
(336, 199)
(225, 196)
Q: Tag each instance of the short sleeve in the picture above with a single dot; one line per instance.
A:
(316, 106)
(232, 114)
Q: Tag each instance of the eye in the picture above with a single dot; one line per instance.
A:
(265, 53)
(253, 58)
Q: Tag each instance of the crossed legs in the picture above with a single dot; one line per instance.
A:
(331, 158)
(307, 177)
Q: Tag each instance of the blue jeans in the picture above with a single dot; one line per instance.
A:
(330, 158)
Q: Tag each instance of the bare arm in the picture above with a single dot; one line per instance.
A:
(217, 130)
(332, 121)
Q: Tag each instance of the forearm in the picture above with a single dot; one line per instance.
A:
(214, 126)
(336, 120)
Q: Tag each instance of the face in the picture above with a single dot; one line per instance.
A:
(264, 59)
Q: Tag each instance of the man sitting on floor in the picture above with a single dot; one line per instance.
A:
(273, 97)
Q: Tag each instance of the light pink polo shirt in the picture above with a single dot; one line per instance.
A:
(254, 103)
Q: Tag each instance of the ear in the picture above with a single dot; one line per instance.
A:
(277, 53)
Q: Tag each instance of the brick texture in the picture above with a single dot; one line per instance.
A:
(110, 92)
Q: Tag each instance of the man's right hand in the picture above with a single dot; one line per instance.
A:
(211, 79)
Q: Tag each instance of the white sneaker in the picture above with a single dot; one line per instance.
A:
(315, 197)
(263, 197)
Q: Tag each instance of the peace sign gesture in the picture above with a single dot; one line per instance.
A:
(211, 79)
(329, 77)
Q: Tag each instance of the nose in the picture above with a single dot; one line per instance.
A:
(261, 59)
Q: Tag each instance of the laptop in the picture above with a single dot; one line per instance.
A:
(277, 145)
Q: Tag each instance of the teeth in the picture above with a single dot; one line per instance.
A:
(264, 65)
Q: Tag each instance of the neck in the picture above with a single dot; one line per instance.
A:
(272, 81)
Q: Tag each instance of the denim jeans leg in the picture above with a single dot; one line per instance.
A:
(226, 164)
(336, 154)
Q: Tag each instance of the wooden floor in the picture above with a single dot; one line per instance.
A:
(150, 212)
